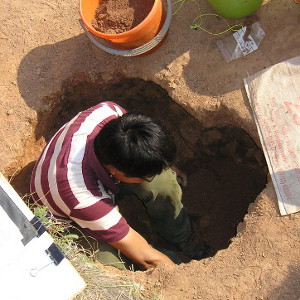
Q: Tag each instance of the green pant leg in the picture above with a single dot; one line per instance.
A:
(103, 252)
(110, 256)
(162, 199)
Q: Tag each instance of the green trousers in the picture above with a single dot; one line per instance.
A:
(162, 200)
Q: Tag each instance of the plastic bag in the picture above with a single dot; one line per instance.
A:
(242, 42)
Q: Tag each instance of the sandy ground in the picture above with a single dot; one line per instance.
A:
(44, 53)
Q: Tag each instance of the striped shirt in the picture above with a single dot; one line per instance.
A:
(71, 182)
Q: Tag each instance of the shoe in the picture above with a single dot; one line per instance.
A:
(172, 255)
(195, 249)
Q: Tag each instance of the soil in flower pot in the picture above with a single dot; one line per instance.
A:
(117, 16)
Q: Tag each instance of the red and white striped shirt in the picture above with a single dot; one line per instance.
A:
(71, 182)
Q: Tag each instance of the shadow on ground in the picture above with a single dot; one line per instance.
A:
(43, 69)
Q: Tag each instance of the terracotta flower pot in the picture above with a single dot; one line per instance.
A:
(135, 37)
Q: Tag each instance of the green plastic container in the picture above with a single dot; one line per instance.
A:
(235, 8)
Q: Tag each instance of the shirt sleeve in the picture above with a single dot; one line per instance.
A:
(91, 206)
(101, 220)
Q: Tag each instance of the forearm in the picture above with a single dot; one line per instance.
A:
(136, 248)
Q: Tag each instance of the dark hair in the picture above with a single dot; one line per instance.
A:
(135, 145)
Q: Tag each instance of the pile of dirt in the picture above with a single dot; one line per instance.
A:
(117, 16)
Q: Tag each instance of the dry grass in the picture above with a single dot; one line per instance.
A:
(101, 284)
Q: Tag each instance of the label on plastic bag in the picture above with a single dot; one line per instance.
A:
(246, 44)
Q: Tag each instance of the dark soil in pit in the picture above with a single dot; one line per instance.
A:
(226, 170)
(117, 16)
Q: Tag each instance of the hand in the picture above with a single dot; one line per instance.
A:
(137, 249)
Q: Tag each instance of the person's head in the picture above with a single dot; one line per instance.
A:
(134, 148)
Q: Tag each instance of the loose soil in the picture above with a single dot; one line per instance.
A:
(46, 59)
(117, 16)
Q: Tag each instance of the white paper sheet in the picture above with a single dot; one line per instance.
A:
(274, 95)
(28, 272)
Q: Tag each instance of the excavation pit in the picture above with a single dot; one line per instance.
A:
(226, 170)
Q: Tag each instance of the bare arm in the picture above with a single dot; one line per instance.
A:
(136, 248)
